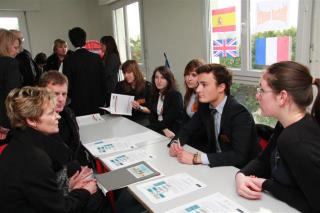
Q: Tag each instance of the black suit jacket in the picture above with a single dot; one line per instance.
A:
(28, 68)
(87, 81)
(10, 78)
(237, 137)
(172, 112)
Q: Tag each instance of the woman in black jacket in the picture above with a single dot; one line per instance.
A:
(27, 179)
(10, 76)
(135, 85)
(289, 166)
(166, 106)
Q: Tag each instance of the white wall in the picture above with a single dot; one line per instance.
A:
(48, 20)
(174, 27)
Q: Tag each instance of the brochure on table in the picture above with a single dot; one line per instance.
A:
(168, 188)
(216, 202)
(126, 159)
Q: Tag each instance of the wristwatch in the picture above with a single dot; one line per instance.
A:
(195, 160)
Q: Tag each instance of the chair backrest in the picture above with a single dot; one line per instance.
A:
(2, 147)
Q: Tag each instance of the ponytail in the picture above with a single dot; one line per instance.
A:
(315, 112)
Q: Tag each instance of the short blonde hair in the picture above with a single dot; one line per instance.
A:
(7, 39)
(57, 43)
(27, 103)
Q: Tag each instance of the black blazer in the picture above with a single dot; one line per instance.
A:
(53, 63)
(87, 81)
(172, 112)
(10, 78)
(28, 180)
(28, 68)
(237, 137)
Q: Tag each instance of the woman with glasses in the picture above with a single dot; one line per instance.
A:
(289, 167)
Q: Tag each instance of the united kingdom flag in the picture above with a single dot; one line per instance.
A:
(225, 48)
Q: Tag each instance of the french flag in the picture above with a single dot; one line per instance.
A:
(272, 49)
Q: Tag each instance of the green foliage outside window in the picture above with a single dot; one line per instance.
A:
(135, 47)
(246, 95)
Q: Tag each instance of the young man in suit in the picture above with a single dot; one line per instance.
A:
(87, 78)
(230, 128)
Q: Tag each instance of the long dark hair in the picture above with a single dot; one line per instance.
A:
(140, 83)
(112, 48)
(296, 79)
(167, 74)
(193, 64)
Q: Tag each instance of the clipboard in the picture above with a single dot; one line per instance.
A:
(125, 176)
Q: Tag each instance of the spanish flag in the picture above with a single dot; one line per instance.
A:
(224, 20)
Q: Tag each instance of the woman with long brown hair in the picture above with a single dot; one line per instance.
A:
(166, 106)
(289, 166)
(134, 84)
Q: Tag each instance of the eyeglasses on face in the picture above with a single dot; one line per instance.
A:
(262, 91)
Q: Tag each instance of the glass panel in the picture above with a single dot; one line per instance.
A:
(273, 28)
(246, 95)
(133, 24)
(9, 23)
(225, 18)
(120, 35)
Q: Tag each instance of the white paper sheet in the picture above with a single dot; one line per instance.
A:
(89, 119)
(108, 146)
(168, 188)
(141, 139)
(210, 204)
(120, 104)
(126, 159)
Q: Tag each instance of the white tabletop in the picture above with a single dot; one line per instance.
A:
(219, 179)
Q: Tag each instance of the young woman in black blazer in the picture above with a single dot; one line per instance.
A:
(166, 106)
(135, 85)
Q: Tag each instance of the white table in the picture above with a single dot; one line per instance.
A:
(219, 179)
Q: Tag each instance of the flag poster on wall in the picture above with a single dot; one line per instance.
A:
(225, 48)
(272, 49)
(224, 20)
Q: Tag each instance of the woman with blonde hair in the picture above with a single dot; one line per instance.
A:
(27, 179)
(10, 76)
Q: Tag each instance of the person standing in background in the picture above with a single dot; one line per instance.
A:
(60, 50)
(111, 61)
(87, 78)
(10, 76)
(27, 66)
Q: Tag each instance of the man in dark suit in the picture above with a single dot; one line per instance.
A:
(87, 78)
(230, 128)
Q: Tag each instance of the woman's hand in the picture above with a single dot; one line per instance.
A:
(79, 179)
(135, 105)
(175, 149)
(91, 186)
(168, 133)
(185, 157)
(247, 186)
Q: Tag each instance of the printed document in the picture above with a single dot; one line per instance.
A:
(89, 119)
(168, 188)
(108, 146)
(120, 104)
(126, 159)
(210, 204)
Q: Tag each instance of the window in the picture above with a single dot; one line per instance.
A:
(16, 21)
(127, 30)
(248, 35)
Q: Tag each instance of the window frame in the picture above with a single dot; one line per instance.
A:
(123, 4)
(21, 15)
(245, 74)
